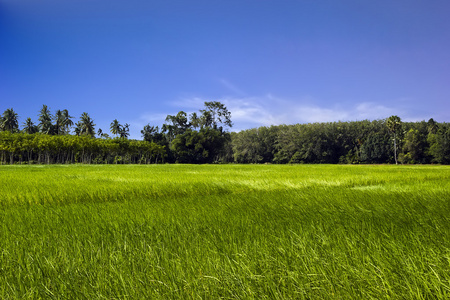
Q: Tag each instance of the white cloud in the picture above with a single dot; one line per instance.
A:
(369, 110)
(251, 112)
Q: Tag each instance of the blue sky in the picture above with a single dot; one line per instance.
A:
(270, 62)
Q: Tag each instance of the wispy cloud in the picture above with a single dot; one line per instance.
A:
(231, 87)
(249, 112)
(267, 110)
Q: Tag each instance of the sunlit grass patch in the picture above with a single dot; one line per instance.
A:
(229, 231)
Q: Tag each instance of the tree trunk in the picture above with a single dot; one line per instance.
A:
(395, 149)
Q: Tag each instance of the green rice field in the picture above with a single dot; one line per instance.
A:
(224, 232)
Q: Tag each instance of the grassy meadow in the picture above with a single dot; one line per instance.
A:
(224, 232)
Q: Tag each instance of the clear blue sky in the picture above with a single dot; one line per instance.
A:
(270, 62)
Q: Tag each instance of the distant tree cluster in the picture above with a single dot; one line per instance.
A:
(370, 142)
(57, 139)
(203, 137)
(197, 138)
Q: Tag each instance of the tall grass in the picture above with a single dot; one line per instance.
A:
(231, 232)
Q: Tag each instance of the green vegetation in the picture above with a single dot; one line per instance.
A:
(224, 231)
(203, 138)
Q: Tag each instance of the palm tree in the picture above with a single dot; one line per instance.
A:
(115, 127)
(59, 119)
(67, 122)
(45, 120)
(125, 131)
(9, 121)
(78, 128)
(29, 126)
(394, 123)
(148, 132)
(86, 125)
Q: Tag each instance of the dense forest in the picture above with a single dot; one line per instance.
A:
(204, 137)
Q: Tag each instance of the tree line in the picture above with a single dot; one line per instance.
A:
(370, 142)
(203, 137)
(56, 138)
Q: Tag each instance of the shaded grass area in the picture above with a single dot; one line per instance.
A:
(231, 232)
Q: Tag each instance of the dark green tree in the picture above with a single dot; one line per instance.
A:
(124, 131)
(413, 148)
(9, 121)
(45, 120)
(59, 121)
(440, 144)
(176, 125)
(376, 148)
(86, 125)
(215, 115)
(67, 122)
(29, 127)
(115, 127)
(203, 146)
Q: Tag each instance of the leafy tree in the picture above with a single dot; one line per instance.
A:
(440, 144)
(194, 120)
(215, 114)
(394, 124)
(202, 146)
(254, 145)
(176, 125)
(413, 148)
(376, 148)
(432, 126)
(9, 121)
(148, 132)
(153, 134)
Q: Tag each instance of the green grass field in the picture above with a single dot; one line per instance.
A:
(224, 232)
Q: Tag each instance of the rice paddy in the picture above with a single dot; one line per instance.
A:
(224, 232)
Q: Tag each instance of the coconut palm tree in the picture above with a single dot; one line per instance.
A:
(59, 119)
(394, 123)
(63, 122)
(115, 127)
(29, 126)
(67, 122)
(125, 131)
(78, 128)
(87, 125)
(9, 121)
(45, 120)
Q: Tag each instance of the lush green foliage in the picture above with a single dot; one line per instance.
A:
(203, 138)
(42, 148)
(377, 142)
(228, 231)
